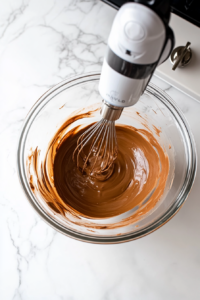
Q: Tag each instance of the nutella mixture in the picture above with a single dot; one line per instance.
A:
(135, 175)
(138, 180)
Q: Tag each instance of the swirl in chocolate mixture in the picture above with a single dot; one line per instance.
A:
(140, 173)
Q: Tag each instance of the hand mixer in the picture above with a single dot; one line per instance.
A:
(140, 39)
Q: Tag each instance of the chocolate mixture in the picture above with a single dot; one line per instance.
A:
(140, 173)
(135, 176)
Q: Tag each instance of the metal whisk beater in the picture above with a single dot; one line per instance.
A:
(97, 147)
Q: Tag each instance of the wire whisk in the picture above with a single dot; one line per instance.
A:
(97, 147)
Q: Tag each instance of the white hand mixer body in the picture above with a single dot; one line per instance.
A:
(139, 40)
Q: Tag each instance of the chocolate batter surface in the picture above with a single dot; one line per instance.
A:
(140, 174)
(135, 175)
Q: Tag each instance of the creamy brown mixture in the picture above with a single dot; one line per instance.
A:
(140, 173)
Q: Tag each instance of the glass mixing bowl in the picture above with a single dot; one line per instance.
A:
(156, 108)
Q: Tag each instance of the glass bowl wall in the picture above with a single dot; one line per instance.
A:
(156, 107)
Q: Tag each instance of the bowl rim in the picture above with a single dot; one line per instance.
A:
(181, 198)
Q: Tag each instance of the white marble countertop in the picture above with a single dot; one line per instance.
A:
(41, 43)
